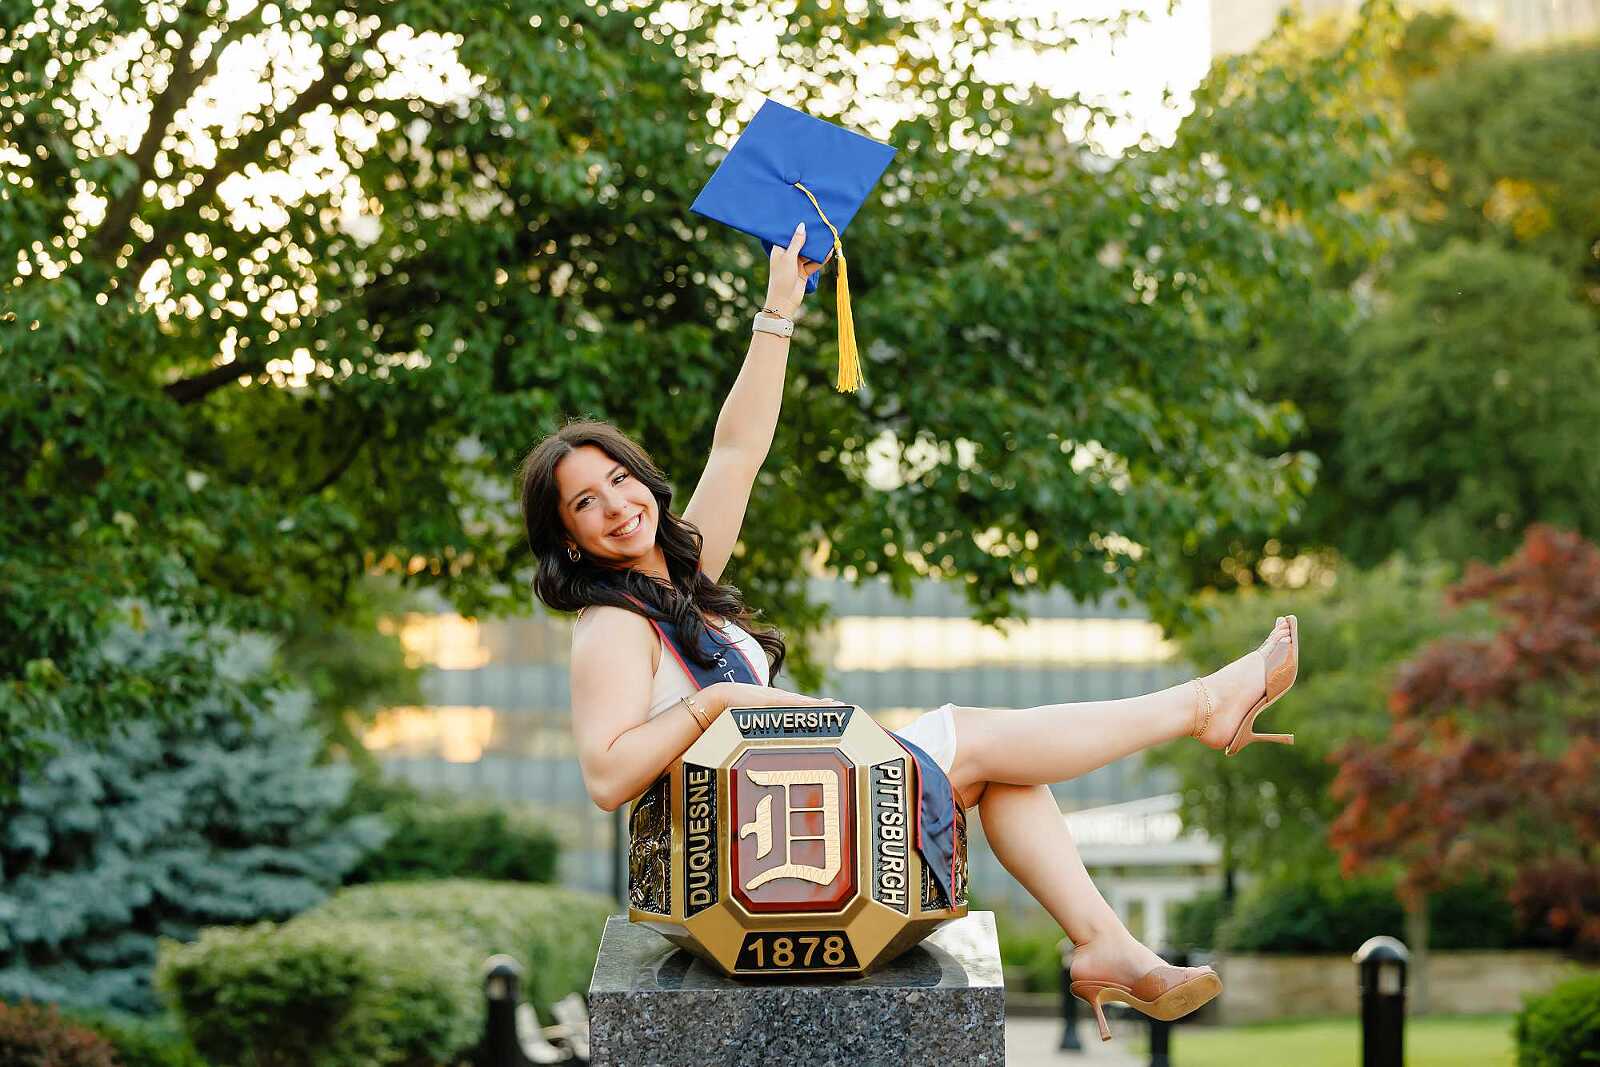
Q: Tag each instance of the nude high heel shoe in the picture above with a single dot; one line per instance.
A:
(1283, 664)
(1165, 992)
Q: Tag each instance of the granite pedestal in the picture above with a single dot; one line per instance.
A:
(940, 1003)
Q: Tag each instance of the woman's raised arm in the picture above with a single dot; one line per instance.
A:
(749, 417)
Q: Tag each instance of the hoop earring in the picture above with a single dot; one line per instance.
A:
(573, 554)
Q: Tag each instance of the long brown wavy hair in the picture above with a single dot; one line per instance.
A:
(564, 585)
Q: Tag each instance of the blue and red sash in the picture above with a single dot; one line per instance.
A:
(936, 812)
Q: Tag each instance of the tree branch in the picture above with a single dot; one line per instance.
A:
(181, 85)
(197, 388)
(360, 441)
(249, 148)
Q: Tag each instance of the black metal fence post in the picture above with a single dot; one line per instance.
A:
(1069, 1003)
(502, 991)
(1381, 976)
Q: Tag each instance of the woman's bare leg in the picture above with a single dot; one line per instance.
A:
(1006, 758)
(1030, 838)
(1057, 742)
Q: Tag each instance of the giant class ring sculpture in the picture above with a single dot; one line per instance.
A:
(797, 841)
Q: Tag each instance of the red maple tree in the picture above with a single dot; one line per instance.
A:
(1492, 761)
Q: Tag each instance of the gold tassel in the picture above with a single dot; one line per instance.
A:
(850, 378)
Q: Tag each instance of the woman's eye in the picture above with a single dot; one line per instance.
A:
(618, 478)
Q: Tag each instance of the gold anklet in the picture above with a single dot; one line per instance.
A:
(1209, 709)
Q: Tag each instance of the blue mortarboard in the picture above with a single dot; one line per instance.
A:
(787, 168)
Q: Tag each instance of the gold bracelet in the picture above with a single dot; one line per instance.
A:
(695, 713)
(1209, 709)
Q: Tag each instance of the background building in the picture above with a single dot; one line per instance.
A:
(496, 723)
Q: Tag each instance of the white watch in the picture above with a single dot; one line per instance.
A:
(774, 324)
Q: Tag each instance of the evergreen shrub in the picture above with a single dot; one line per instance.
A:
(1561, 1026)
(380, 974)
(221, 817)
(36, 1035)
(441, 835)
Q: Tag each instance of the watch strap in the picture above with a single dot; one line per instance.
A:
(773, 324)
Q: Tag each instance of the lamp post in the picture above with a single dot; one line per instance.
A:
(1381, 976)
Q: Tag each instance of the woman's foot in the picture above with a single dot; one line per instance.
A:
(1117, 957)
(1234, 690)
(1118, 968)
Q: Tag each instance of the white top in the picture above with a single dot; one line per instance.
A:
(671, 681)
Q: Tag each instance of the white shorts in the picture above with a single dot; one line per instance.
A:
(935, 733)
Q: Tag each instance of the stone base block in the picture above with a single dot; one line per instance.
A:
(941, 1002)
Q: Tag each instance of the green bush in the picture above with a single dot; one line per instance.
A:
(1031, 958)
(1326, 913)
(323, 993)
(36, 1035)
(440, 835)
(1195, 921)
(142, 1042)
(1310, 915)
(1475, 915)
(554, 933)
(1561, 1026)
(380, 974)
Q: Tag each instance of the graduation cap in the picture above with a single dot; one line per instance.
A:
(787, 168)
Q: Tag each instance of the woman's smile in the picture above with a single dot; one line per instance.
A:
(630, 527)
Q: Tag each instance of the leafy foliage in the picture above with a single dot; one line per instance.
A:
(1323, 912)
(353, 663)
(378, 975)
(1031, 957)
(165, 830)
(261, 345)
(553, 932)
(1504, 152)
(1562, 1025)
(1268, 807)
(1452, 399)
(440, 835)
(1492, 757)
(141, 1041)
(1475, 392)
(37, 1035)
(314, 993)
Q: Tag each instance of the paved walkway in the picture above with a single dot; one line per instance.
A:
(1033, 1043)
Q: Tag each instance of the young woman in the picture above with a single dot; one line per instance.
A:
(598, 519)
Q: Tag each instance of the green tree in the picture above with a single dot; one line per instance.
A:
(1302, 348)
(263, 342)
(226, 820)
(1447, 378)
(1474, 396)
